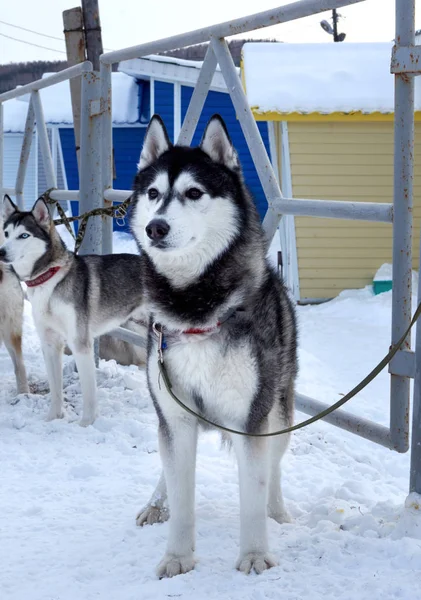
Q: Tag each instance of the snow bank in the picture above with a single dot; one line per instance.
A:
(385, 273)
(323, 78)
(57, 105)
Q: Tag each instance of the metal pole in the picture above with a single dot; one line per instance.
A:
(107, 154)
(198, 98)
(44, 144)
(402, 222)
(24, 154)
(90, 194)
(415, 472)
(289, 220)
(40, 84)
(251, 133)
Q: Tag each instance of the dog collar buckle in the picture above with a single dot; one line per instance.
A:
(157, 329)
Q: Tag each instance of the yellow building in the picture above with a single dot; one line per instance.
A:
(330, 114)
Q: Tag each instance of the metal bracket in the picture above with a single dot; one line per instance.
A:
(403, 364)
(406, 60)
(95, 108)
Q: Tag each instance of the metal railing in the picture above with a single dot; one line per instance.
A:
(97, 171)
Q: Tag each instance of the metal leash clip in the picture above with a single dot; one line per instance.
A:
(120, 215)
(157, 329)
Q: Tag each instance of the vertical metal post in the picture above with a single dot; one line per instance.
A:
(177, 110)
(251, 133)
(402, 222)
(44, 144)
(24, 155)
(198, 99)
(90, 161)
(107, 154)
(415, 472)
(289, 220)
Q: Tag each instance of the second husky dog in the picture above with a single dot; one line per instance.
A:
(11, 318)
(74, 298)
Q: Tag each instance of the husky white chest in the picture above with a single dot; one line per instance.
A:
(219, 380)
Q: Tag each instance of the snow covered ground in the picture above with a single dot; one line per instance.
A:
(69, 496)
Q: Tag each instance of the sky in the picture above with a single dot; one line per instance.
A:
(127, 23)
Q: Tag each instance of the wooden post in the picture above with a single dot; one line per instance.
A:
(75, 48)
(93, 36)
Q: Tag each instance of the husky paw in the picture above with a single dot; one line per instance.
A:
(255, 561)
(280, 516)
(172, 565)
(87, 420)
(149, 515)
(23, 389)
(53, 414)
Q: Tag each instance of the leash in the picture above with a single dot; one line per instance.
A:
(372, 375)
(118, 212)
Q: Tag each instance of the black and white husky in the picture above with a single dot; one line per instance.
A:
(11, 319)
(74, 298)
(229, 334)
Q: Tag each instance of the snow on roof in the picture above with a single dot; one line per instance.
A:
(57, 106)
(169, 68)
(319, 78)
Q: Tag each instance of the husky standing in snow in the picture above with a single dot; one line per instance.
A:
(74, 298)
(229, 334)
(11, 319)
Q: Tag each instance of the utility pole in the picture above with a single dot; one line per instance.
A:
(335, 25)
(333, 31)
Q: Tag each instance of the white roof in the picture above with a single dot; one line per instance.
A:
(57, 106)
(169, 68)
(322, 78)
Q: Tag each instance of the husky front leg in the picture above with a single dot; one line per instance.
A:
(13, 343)
(253, 470)
(85, 363)
(156, 510)
(178, 453)
(52, 349)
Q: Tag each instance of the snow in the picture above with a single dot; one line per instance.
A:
(385, 273)
(69, 495)
(322, 78)
(57, 106)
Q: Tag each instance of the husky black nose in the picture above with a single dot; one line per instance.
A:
(157, 229)
(2, 253)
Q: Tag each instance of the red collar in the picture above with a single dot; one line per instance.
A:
(201, 331)
(43, 277)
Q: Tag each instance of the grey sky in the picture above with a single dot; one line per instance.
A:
(126, 23)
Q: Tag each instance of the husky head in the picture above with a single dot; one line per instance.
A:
(27, 237)
(188, 201)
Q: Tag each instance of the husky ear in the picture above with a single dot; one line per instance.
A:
(217, 143)
(41, 214)
(9, 207)
(156, 142)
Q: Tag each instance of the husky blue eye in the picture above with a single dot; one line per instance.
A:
(193, 194)
(23, 236)
(153, 193)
